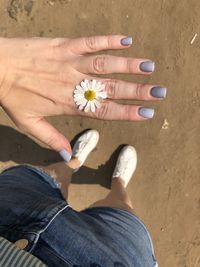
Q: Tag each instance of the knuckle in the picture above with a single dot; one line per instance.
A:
(112, 87)
(57, 42)
(138, 91)
(129, 65)
(109, 41)
(128, 113)
(102, 111)
(91, 43)
(55, 47)
(99, 64)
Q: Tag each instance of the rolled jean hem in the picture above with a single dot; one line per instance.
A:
(48, 178)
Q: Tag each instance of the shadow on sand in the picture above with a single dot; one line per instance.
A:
(21, 149)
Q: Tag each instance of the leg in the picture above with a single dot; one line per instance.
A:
(118, 196)
(62, 172)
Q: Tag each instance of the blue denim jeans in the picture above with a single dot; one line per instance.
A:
(32, 207)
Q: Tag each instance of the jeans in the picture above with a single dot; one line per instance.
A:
(32, 207)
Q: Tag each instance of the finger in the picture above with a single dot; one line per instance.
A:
(46, 133)
(93, 44)
(117, 89)
(106, 64)
(113, 111)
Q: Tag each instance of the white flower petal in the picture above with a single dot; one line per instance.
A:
(81, 107)
(90, 84)
(84, 86)
(76, 97)
(87, 107)
(77, 92)
(81, 102)
(87, 84)
(94, 84)
(102, 94)
(84, 102)
(79, 88)
(97, 103)
(92, 105)
(78, 103)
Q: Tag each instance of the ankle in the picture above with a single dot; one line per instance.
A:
(74, 164)
(118, 180)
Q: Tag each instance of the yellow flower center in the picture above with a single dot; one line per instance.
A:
(90, 95)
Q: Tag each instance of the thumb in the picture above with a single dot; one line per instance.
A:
(46, 133)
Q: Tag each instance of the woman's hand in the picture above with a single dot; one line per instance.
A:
(38, 77)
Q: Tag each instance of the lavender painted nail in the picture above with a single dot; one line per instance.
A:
(127, 41)
(147, 113)
(159, 92)
(65, 155)
(147, 66)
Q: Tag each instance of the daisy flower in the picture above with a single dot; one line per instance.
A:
(89, 95)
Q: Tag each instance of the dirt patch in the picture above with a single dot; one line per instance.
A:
(166, 186)
(16, 8)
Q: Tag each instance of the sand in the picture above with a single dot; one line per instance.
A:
(165, 188)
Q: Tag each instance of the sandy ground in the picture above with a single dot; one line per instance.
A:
(165, 189)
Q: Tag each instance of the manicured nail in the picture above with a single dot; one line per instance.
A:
(147, 66)
(147, 113)
(159, 92)
(127, 41)
(65, 155)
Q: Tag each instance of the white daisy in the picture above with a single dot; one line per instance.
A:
(89, 95)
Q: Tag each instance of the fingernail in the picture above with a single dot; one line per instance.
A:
(65, 155)
(159, 92)
(147, 66)
(147, 113)
(127, 41)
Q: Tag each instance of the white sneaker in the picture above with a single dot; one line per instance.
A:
(84, 145)
(126, 164)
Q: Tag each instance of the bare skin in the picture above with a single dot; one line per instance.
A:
(62, 172)
(116, 198)
(38, 77)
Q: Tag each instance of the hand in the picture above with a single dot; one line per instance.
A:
(38, 77)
